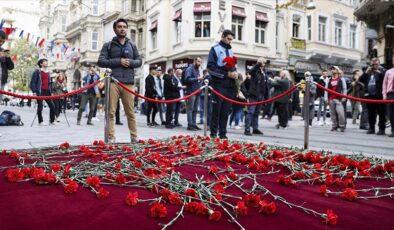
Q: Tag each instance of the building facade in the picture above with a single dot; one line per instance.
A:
(379, 16)
(180, 30)
(324, 36)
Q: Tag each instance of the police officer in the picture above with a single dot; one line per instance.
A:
(223, 76)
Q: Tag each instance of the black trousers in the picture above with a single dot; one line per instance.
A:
(151, 111)
(41, 106)
(117, 113)
(170, 112)
(283, 113)
(177, 107)
(375, 110)
(390, 96)
(220, 112)
(58, 106)
(364, 124)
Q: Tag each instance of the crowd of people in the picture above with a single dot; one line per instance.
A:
(121, 55)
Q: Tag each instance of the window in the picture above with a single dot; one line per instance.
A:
(94, 40)
(322, 29)
(277, 37)
(95, 7)
(142, 5)
(125, 6)
(153, 30)
(140, 34)
(237, 27)
(133, 5)
(352, 36)
(132, 35)
(309, 18)
(48, 32)
(260, 32)
(338, 33)
(178, 31)
(202, 24)
(64, 22)
(296, 26)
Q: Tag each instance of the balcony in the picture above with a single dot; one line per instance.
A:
(75, 28)
(370, 10)
(298, 44)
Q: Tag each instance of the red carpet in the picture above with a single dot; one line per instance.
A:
(27, 205)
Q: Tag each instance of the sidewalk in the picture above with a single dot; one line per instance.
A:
(353, 140)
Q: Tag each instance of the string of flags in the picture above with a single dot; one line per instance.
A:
(57, 50)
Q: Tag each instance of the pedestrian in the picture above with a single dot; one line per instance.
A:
(322, 97)
(388, 94)
(178, 75)
(222, 68)
(237, 110)
(311, 106)
(41, 85)
(373, 81)
(150, 92)
(59, 87)
(337, 110)
(5, 63)
(160, 92)
(356, 90)
(171, 92)
(258, 91)
(192, 81)
(121, 55)
(89, 95)
(201, 100)
(280, 85)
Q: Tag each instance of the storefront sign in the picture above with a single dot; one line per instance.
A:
(182, 63)
(307, 66)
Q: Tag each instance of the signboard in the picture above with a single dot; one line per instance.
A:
(182, 63)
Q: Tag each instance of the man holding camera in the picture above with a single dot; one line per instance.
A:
(89, 95)
(373, 81)
(5, 63)
(121, 55)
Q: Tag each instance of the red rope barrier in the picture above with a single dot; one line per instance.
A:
(354, 98)
(254, 103)
(50, 97)
(159, 101)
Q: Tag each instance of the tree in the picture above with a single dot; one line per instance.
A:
(25, 56)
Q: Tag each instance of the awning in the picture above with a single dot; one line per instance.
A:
(238, 11)
(153, 26)
(178, 15)
(260, 16)
(202, 7)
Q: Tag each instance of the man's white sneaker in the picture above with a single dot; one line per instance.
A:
(95, 119)
(53, 124)
(42, 124)
(237, 127)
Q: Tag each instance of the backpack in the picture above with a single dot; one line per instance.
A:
(10, 118)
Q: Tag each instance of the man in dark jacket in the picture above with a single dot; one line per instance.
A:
(121, 55)
(5, 63)
(258, 91)
(223, 78)
(171, 91)
(151, 92)
(373, 82)
(41, 85)
(192, 82)
(282, 84)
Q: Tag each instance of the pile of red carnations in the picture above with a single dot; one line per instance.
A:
(212, 178)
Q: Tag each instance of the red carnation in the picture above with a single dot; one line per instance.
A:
(230, 62)
(174, 198)
(120, 179)
(252, 200)
(330, 217)
(14, 175)
(71, 187)
(267, 208)
(158, 210)
(213, 169)
(349, 194)
(191, 192)
(132, 199)
(287, 181)
(101, 194)
(241, 209)
(215, 216)
(65, 145)
(93, 181)
(323, 190)
(55, 168)
(232, 175)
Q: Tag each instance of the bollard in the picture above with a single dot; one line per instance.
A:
(306, 109)
(107, 96)
(206, 82)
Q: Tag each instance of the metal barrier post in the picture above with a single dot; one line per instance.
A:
(206, 82)
(306, 109)
(107, 96)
